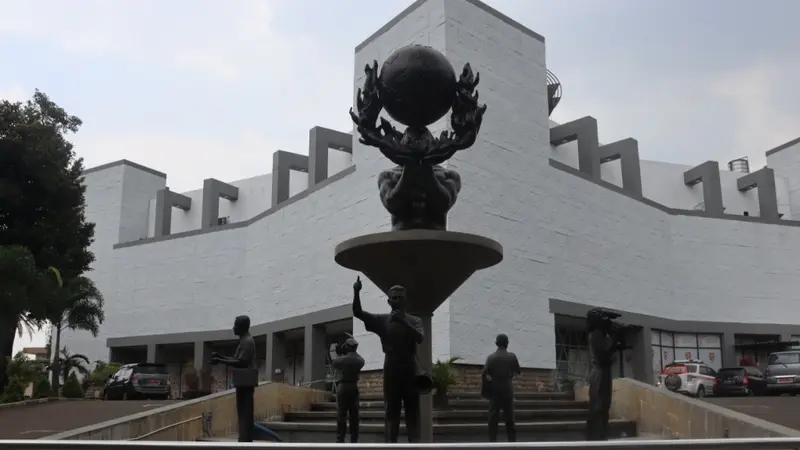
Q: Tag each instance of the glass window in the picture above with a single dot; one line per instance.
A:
(655, 338)
(666, 339)
(685, 340)
(707, 371)
(709, 341)
(686, 353)
(784, 358)
(692, 368)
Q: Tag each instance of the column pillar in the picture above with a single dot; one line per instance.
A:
(276, 357)
(425, 357)
(728, 350)
(642, 352)
(155, 353)
(202, 364)
(315, 358)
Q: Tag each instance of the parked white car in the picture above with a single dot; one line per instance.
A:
(688, 376)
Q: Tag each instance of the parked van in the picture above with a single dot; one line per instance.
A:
(783, 373)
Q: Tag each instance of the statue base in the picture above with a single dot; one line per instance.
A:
(431, 265)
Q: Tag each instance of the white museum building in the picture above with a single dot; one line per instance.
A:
(701, 259)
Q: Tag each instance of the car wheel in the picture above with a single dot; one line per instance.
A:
(125, 395)
(701, 392)
(105, 396)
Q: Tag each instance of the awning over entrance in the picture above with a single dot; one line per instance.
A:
(771, 346)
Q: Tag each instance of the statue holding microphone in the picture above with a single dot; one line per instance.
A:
(403, 378)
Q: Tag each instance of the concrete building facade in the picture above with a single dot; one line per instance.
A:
(700, 259)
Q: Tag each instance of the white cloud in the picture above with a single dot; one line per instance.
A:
(185, 159)
(222, 40)
(15, 93)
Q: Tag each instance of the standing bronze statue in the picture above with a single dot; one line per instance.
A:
(245, 377)
(603, 345)
(348, 365)
(417, 86)
(403, 379)
(498, 373)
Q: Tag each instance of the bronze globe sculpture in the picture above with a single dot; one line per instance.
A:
(417, 85)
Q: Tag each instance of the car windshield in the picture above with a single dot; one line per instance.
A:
(730, 372)
(784, 358)
(152, 369)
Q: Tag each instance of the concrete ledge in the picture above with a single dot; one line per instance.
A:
(663, 413)
(184, 421)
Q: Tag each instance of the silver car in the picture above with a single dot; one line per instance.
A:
(783, 373)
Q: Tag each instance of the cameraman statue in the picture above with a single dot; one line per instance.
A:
(603, 344)
(348, 365)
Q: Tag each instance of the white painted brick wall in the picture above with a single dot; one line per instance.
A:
(564, 237)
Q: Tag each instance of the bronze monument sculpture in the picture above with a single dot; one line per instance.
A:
(498, 373)
(603, 344)
(403, 380)
(419, 260)
(245, 376)
(348, 365)
(417, 86)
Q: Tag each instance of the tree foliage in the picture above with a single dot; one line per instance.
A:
(41, 388)
(42, 209)
(69, 363)
(72, 387)
(103, 370)
(14, 392)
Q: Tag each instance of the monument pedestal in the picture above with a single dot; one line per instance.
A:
(431, 265)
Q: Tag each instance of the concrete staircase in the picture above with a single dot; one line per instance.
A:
(540, 416)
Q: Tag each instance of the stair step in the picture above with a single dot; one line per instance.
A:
(454, 432)
(519, 405)
(461, 416)
(477, 396)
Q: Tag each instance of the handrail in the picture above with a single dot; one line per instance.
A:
(168, 427)
(693, 444)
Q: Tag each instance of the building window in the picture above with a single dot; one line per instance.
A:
(669, 346)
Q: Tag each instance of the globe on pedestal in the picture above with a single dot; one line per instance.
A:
(417, 85)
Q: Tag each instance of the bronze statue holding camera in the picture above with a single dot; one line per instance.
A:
(403, 378)
(245, 376)
(348, 365)
(603, 346)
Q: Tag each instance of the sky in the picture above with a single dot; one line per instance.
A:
(159, 83)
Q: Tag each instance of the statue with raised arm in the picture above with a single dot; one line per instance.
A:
(245, 376)
(403, 379)
(603, 345)
(347, 366)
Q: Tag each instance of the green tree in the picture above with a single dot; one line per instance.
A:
(42, 198)
(68, 363)
(102, 370)
(15, 391)
(76, 304)
(72, 387)
(24, 369)
(41, 388)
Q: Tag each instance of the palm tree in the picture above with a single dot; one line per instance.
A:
(18, 303)
(74, 304)
(68, 362)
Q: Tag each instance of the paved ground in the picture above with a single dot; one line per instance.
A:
(783, 410)
(36, 421)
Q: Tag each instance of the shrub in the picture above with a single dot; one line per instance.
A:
(41, 389)
(72, 387)
(102, 371)
(15, 391)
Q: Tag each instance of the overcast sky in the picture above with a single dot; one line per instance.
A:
(226, 83)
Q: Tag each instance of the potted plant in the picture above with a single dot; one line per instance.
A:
(443, 377)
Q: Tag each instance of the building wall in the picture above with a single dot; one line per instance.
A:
(663, 183)
(565, 237)
(785, 160)
(255, 197)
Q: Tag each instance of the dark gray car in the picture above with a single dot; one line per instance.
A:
(141, 380)
(783, 373)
